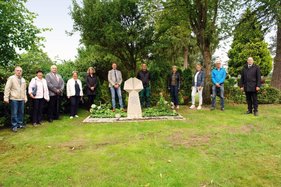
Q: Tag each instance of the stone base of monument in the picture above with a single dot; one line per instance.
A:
(113, 120)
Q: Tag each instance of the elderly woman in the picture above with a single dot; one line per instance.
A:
(38, 91)
(92, 83)
(174, 87)
(197, 86)
(74, 93)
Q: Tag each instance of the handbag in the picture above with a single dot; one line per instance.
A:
(34, 89)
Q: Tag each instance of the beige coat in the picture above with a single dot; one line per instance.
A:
(14, 90)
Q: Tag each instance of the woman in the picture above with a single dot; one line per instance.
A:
(92, 82)
(197, 86)
(74, 93)
(38, 91)
(174, 87)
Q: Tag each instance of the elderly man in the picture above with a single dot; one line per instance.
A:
(15, 94)
(250, 83)
(115, 80)
(55, 85)
(218, 78)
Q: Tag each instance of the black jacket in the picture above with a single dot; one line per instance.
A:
(144, 76)
(91, 82)
(250, 78)
(178, 80)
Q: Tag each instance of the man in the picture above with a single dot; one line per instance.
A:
(251, 83)
(218, 78)
(115, 80)
(15, 95)
(56, 86)
(144, 76)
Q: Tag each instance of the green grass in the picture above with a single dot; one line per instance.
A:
(209, 148)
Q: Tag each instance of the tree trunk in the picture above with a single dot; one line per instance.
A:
(276, 76)
(207, 56)
(185, 63)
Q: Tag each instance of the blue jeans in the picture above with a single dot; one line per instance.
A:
(118, 91)
(17, 112)
(218, 91)
(174, 95)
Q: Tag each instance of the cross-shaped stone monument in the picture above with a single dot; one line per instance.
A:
(133, 86)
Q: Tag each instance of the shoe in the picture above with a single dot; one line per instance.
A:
(212, 108)
(21, 126)
(222, 109)
(50, 120)
(113, 110)
(256, 113)
(34, 125)
(15, 129)
(71, 117)
(249, 112)
(177, 107)
(192, 107)
(76, 116)
(199, 107)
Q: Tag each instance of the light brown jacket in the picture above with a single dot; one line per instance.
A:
(14, 90)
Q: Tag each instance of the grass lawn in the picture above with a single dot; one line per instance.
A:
(209, 148)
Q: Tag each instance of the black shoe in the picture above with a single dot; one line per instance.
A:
(249, 112)
(50, 120)
(222, 109)
(15, 129)
(256, 113)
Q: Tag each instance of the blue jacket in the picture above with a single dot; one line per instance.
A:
(218, 76)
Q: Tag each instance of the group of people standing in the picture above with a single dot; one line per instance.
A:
(50, 88)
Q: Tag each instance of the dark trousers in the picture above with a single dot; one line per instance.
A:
(91, 99)
(38, 105)
(218, 91)
(252, 101)
(174, 95)
(74, 104)
(145, 97)
(53, 107)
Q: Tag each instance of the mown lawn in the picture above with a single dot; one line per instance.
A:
(209, 148)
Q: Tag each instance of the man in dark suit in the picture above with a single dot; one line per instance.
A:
(251, 83)
(56, 86)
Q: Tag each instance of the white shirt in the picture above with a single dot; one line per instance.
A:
(195, 78)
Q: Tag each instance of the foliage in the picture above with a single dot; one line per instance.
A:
(104, 111)
(116, 27)
(17, 30)
(186, 81)
(249, 42)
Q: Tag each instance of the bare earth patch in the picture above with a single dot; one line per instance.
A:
(193, 140)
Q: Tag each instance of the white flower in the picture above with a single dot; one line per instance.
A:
(117, 115)
(94, 106)
(99, 107)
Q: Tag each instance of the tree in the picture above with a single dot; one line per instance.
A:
(17, 30)
(269, 12)
(249, 41)
(209, 19)
(118, 27)
(173, 35)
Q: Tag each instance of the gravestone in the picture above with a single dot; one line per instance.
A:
(133, 86)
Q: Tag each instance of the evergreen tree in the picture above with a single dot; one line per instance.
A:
(249, 41)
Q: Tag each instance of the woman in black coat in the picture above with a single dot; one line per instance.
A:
(92, 83)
